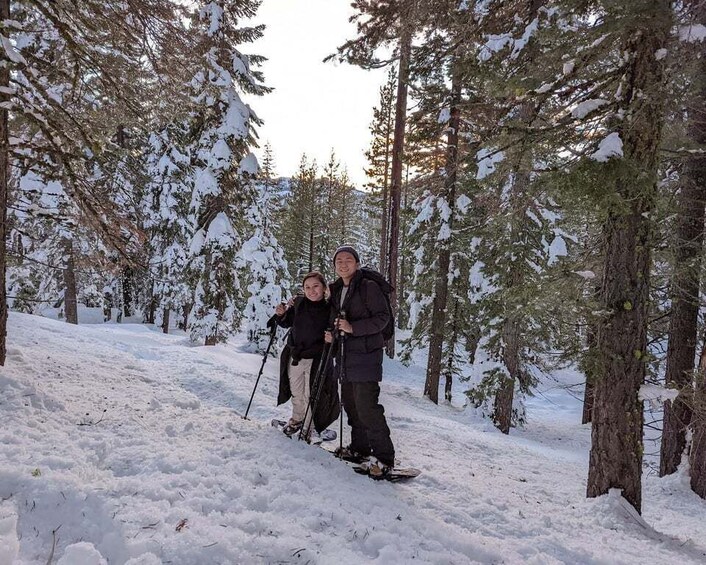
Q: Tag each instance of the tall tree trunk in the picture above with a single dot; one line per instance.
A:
(402, 308)
(128, 291)
(186, 309)
(165, 321)
(681, 347)
(589, 396)
(697, 456)
(441, 283)
(4, 176)
(151, 311)
(397, 158)
(504, 398)
(70, 302)
(616, 435)
(696, 170)
(211, 339)
(511, 333)
(384, 228)
(453, 340)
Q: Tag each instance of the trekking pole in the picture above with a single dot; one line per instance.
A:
(318, 385)
(341, 376)
(272, 324)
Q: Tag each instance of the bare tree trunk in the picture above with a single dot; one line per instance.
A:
(512, 344)
(384, 228)
(185, 316)
(588, 399)
(616, 436)
(453, 340)
(107, 306)
(697, 457)
(589, 391)
(502, 407)
(70, 305)
(397, 159)
(4, 177)
(683, 321)
(152, 306)
(211, 339)
(128, 291)
(697, 171)
(402, 308)
(472, 341)
(441, 283)
(165, 321)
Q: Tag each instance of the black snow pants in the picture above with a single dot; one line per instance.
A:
(370, 434)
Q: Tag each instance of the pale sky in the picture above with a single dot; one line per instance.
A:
(315, 106)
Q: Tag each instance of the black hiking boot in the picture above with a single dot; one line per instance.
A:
(349, 454)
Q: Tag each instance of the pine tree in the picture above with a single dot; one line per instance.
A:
(300, 221)
(388, 25)
(222, 165)
(262, 258)
(167, 221)
(379, 160)
(616, 458)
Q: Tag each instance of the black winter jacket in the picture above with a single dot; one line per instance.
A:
(308, 321)
(366, 309)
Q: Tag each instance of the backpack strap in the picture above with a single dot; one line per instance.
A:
(364, 292)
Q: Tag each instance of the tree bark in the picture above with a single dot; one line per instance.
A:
(402, 308)
(681, 346)
(441, 283)
(588, 399)
(384, 228)
(616, 435)
(152, 305)
(697, 456)
(696, 170)
(397, 159)
(589, 395)
(211, 339)
(511, 332)
(186, 309)
(504, 398)
(107, 307)
(4, 177)
(449, 374)
(165, 321)
(128, 291)
(70, 303)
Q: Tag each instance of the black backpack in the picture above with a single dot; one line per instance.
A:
(388, 332)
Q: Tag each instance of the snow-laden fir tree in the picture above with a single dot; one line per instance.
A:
(267, 275)
(223, 165)
(168, 224)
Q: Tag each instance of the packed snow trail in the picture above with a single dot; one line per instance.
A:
(121, 444)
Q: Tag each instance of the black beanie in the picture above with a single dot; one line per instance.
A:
(347, 249)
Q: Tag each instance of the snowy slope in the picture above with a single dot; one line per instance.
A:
(122, 445)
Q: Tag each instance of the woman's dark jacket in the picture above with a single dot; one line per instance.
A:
(308, 321)
(365, 307)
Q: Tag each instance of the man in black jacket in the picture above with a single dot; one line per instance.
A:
(360, 312)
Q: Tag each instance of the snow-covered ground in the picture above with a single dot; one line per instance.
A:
(123, 445)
